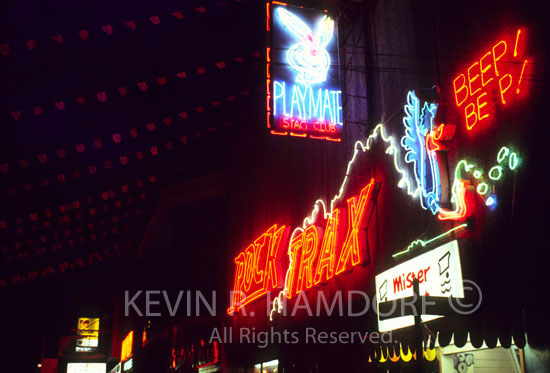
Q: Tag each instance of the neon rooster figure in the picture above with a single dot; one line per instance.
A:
(309, 55)
(420, 150)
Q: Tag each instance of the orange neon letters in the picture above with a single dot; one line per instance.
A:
(503, 90)
(258, 268)
(273, 267)
(492, 74)
(328, 249)
(480, 105)
(502, 45)
(294, 251)
(462, 87)
(472, 79)
(311, 237)
(312, 254)
(484, 69)
(356, 214)
(470, 111)
(521, 75)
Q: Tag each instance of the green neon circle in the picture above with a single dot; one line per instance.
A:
(477, 174)
(513, 161)
(498, 171)
(502, 153)
(482, 188)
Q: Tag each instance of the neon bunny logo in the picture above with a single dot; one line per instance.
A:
(308, 56)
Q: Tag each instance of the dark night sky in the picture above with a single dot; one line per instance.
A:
(213, 44)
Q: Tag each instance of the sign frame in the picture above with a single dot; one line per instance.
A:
(444, 280)
(317, 75)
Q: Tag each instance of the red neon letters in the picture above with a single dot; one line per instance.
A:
(258, 268)
(303, 249)
(325, 263)
(314, 254)
(356, 214)
(303, 125)
(496, 71)
(405, 281)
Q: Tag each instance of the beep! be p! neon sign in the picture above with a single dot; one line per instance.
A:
(494, 78)
(304, 98)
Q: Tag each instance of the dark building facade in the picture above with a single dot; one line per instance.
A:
(402, 64)
(431, 187)
(407, 69)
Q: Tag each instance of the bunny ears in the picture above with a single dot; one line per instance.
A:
(325, 29)
(322, 35)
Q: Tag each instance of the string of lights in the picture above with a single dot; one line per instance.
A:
(166, 122)
(103, 96)
(85, 34)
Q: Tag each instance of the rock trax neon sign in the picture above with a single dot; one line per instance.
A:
(316, 254)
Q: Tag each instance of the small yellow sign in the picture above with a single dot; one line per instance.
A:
(88, 327)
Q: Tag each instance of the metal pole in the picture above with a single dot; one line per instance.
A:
(418, 333)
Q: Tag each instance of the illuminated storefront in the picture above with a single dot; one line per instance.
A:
(427, 190)
(419, 197)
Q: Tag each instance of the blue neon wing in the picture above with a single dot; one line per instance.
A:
(418, 122)
(429, 110)
(412, 142)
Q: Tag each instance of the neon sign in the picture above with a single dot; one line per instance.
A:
(126, 348)
(500, 69)
(304, 98)
(315, 254)
(420, 145)
(467, 174)
(258, 268)
(422, 243)
(308, 56)
(422, 139)
(312, 249)
(438, 272)
(326, 260)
